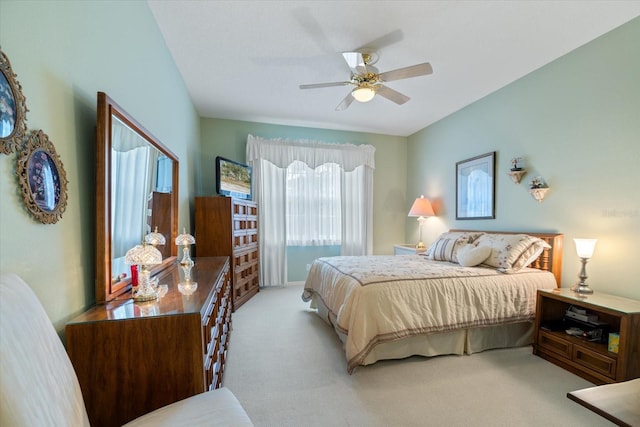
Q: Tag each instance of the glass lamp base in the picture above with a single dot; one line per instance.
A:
(420, 245)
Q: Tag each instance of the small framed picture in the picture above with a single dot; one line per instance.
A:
(476, 187)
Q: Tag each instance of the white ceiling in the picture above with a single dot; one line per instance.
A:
(244, 60)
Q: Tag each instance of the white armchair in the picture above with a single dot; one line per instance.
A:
(38, 386)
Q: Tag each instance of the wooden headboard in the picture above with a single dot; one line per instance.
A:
(550, 259)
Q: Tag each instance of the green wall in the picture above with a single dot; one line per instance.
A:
(576, 122)
(228, 138)
(63, 53)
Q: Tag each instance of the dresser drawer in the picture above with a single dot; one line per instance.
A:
(555, 344)
(594, 361)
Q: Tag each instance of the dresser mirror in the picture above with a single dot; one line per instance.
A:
(136, 192)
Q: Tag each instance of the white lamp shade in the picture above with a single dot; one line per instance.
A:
(363, 94)
(585, 247)
(143, 255)
(185, 239)
(154, 238)
(421, 207)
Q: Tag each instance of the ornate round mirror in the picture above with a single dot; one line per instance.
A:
(13, 109)
(42, 178)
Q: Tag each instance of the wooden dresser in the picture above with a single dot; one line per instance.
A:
(229, 227)
(132, 358)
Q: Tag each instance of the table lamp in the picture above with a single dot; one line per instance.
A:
(143, 256)
(185, 240)
(584, 248)
(421, 208)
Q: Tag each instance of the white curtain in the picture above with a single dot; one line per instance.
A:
(130, 159)
(271, 157)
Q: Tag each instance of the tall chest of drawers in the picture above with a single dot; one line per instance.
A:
(229, 227)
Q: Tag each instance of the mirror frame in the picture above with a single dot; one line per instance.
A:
(106, 289)
(14, 140)
(38, 142)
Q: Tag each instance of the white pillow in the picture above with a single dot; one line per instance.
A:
(445, 248)
(470, 255)
(511, 252)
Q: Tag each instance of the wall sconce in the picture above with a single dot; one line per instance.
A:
(421, 207)
(154, 238)
(517, 171)
(538, 188)
(584, 248)
(143, 256)
(185, 240)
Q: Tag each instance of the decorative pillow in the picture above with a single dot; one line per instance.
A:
(511, 252)
(470, 255)
(445, 248)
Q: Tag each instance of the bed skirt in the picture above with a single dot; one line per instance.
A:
(463, 341)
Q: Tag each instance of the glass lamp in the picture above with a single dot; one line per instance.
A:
(421, 208)
(143, 256)
(363, 93)
(154, 238)
(185, 240)
(187, 286)
(584, 248)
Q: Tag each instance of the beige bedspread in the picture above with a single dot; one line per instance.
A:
(374, 299)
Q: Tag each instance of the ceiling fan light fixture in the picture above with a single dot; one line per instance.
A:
(363, 93)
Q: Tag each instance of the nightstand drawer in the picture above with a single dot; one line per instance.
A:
(555, 344)
(594, 361)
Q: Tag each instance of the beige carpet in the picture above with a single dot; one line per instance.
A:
(287, 368)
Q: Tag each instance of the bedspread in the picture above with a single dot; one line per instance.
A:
(374, 299)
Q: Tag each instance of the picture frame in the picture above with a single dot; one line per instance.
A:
(43, 179)
(476, 187)
(13, 109)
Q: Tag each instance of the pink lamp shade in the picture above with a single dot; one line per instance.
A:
(421, 207)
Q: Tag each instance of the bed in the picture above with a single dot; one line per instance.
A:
(441, 302)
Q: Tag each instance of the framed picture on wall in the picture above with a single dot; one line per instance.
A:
(476, 187)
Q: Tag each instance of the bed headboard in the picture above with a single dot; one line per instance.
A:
(550, 259)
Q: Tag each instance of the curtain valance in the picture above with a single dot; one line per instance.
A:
(313, 153)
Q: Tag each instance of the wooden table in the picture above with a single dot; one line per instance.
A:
(619, 402)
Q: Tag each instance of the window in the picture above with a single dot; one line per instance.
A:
(313, 205)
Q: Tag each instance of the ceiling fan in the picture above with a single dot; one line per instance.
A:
(368, 81)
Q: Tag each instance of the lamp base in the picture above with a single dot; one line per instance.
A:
(420, 245)
(582, 289)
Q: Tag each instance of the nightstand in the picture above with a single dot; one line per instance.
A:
(591, 360)
(407, 249)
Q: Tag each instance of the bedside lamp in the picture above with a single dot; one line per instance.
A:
(584, 248)
(185, 240)
(421, 208)
(143, 256)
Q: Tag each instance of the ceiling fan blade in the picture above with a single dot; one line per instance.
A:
(319, 85)
(391, 94)
(406, 72)
(355, 61)
(345, 102)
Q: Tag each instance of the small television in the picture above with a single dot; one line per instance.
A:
(233, 179)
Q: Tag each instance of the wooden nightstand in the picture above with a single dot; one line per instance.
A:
(407, 249)
(589, 359)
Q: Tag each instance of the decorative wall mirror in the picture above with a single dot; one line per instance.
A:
(42, 178)
(13, 109)
(136, 191)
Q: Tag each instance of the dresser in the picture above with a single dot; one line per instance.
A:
(132, 358)
(229, 227)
